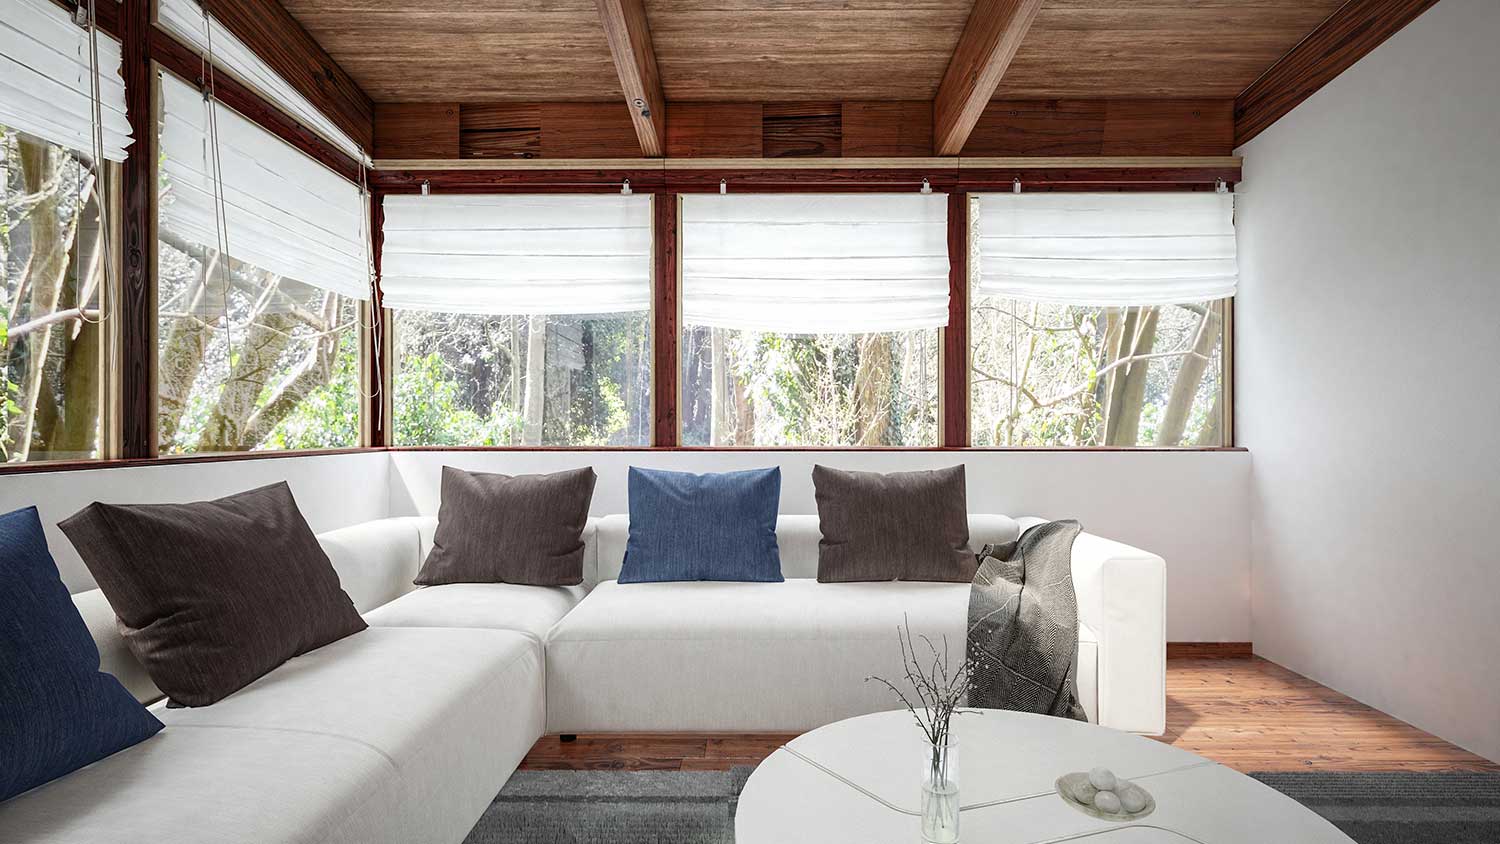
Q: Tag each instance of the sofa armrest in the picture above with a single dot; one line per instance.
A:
(1122, 597)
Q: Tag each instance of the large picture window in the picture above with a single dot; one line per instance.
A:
(262, 265)
(519, 320)
(812, 320)
(59, 133)
(1100, 320)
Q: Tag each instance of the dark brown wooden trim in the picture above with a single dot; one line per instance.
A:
(266, 27)
(168, 460)
(990, 39)
(811, 180)
(956, 334)
(629, 39)
(667, 366)
(1350, 33)
(375, 349)
(517, 181)
(136, 317)
(186, 64)
(1209, 650)
(1097, 178)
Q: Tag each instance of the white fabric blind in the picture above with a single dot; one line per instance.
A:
(517, 254)
(1107, 250)
(184, 19)
(815, 263)
(283, 211)
(45, 79)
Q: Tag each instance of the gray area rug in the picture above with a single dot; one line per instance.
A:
(1400, 808)
(692, 807)
(613, 807)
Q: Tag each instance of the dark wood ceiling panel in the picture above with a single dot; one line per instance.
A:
(781, 50)
(484, 50)
(1156, 48)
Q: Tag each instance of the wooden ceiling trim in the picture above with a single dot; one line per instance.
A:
(715, 129)
(587, 130)
(902, 128)
(1350, 33)
(950, 163)
(1104, 127)
(629, 39)
(802, 130)
(271, 31)
(989, 42)
(416, 130)
(499, 130)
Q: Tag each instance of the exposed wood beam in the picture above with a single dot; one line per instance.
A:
(989, 41)
(630, 42)
(1350, 33)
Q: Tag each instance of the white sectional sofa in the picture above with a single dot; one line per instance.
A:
(405, 731)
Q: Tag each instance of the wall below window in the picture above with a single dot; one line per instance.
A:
(331, 491)
(1367, 342)
(1189, 507)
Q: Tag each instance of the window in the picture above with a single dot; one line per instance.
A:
(262, 265)
(54, 263)
(519, 320)
(1099, 320)
(812, 320)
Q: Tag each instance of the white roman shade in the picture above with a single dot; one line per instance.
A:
(517, 254)
(1106, 250)
(185, 20)
(815, 263)
(46, 88)
(282, 211)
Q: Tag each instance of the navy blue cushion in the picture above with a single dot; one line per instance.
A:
(58, 711)
(703, 527)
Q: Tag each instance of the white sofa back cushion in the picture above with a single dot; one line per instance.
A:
(797, 536)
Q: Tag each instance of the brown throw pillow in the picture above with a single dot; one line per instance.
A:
(525, 529)
(212, 595)
(901, 526)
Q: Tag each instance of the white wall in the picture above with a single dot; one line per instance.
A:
(1189, 507)
(1368, 340)
(332, 491)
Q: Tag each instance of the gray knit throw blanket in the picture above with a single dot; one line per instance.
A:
(1023, 624)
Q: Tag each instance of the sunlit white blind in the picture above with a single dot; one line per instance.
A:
(517, 254)
(282, 211)
(45, 79)
(815, 263)
(184, 19)
(1106, 250)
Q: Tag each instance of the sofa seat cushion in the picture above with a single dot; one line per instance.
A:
(493, 606)
(388, 735)
(745, 656)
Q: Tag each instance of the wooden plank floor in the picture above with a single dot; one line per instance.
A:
(1249, 714)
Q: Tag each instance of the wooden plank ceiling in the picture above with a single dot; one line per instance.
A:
(791, 50)
(777, 78)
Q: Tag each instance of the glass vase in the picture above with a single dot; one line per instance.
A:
(940, 793)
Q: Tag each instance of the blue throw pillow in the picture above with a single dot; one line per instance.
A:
(58, 711)
(703, 527)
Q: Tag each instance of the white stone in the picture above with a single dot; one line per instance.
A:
(1084, 792)
(1107, 801)
(1102, 779)
(1133, 798)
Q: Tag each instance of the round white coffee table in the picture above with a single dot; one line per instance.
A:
(859, 781)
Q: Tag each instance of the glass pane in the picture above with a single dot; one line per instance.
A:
(51, 280)
(1062, 375)
(249, 359)
(745, 388)
(476, 380)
